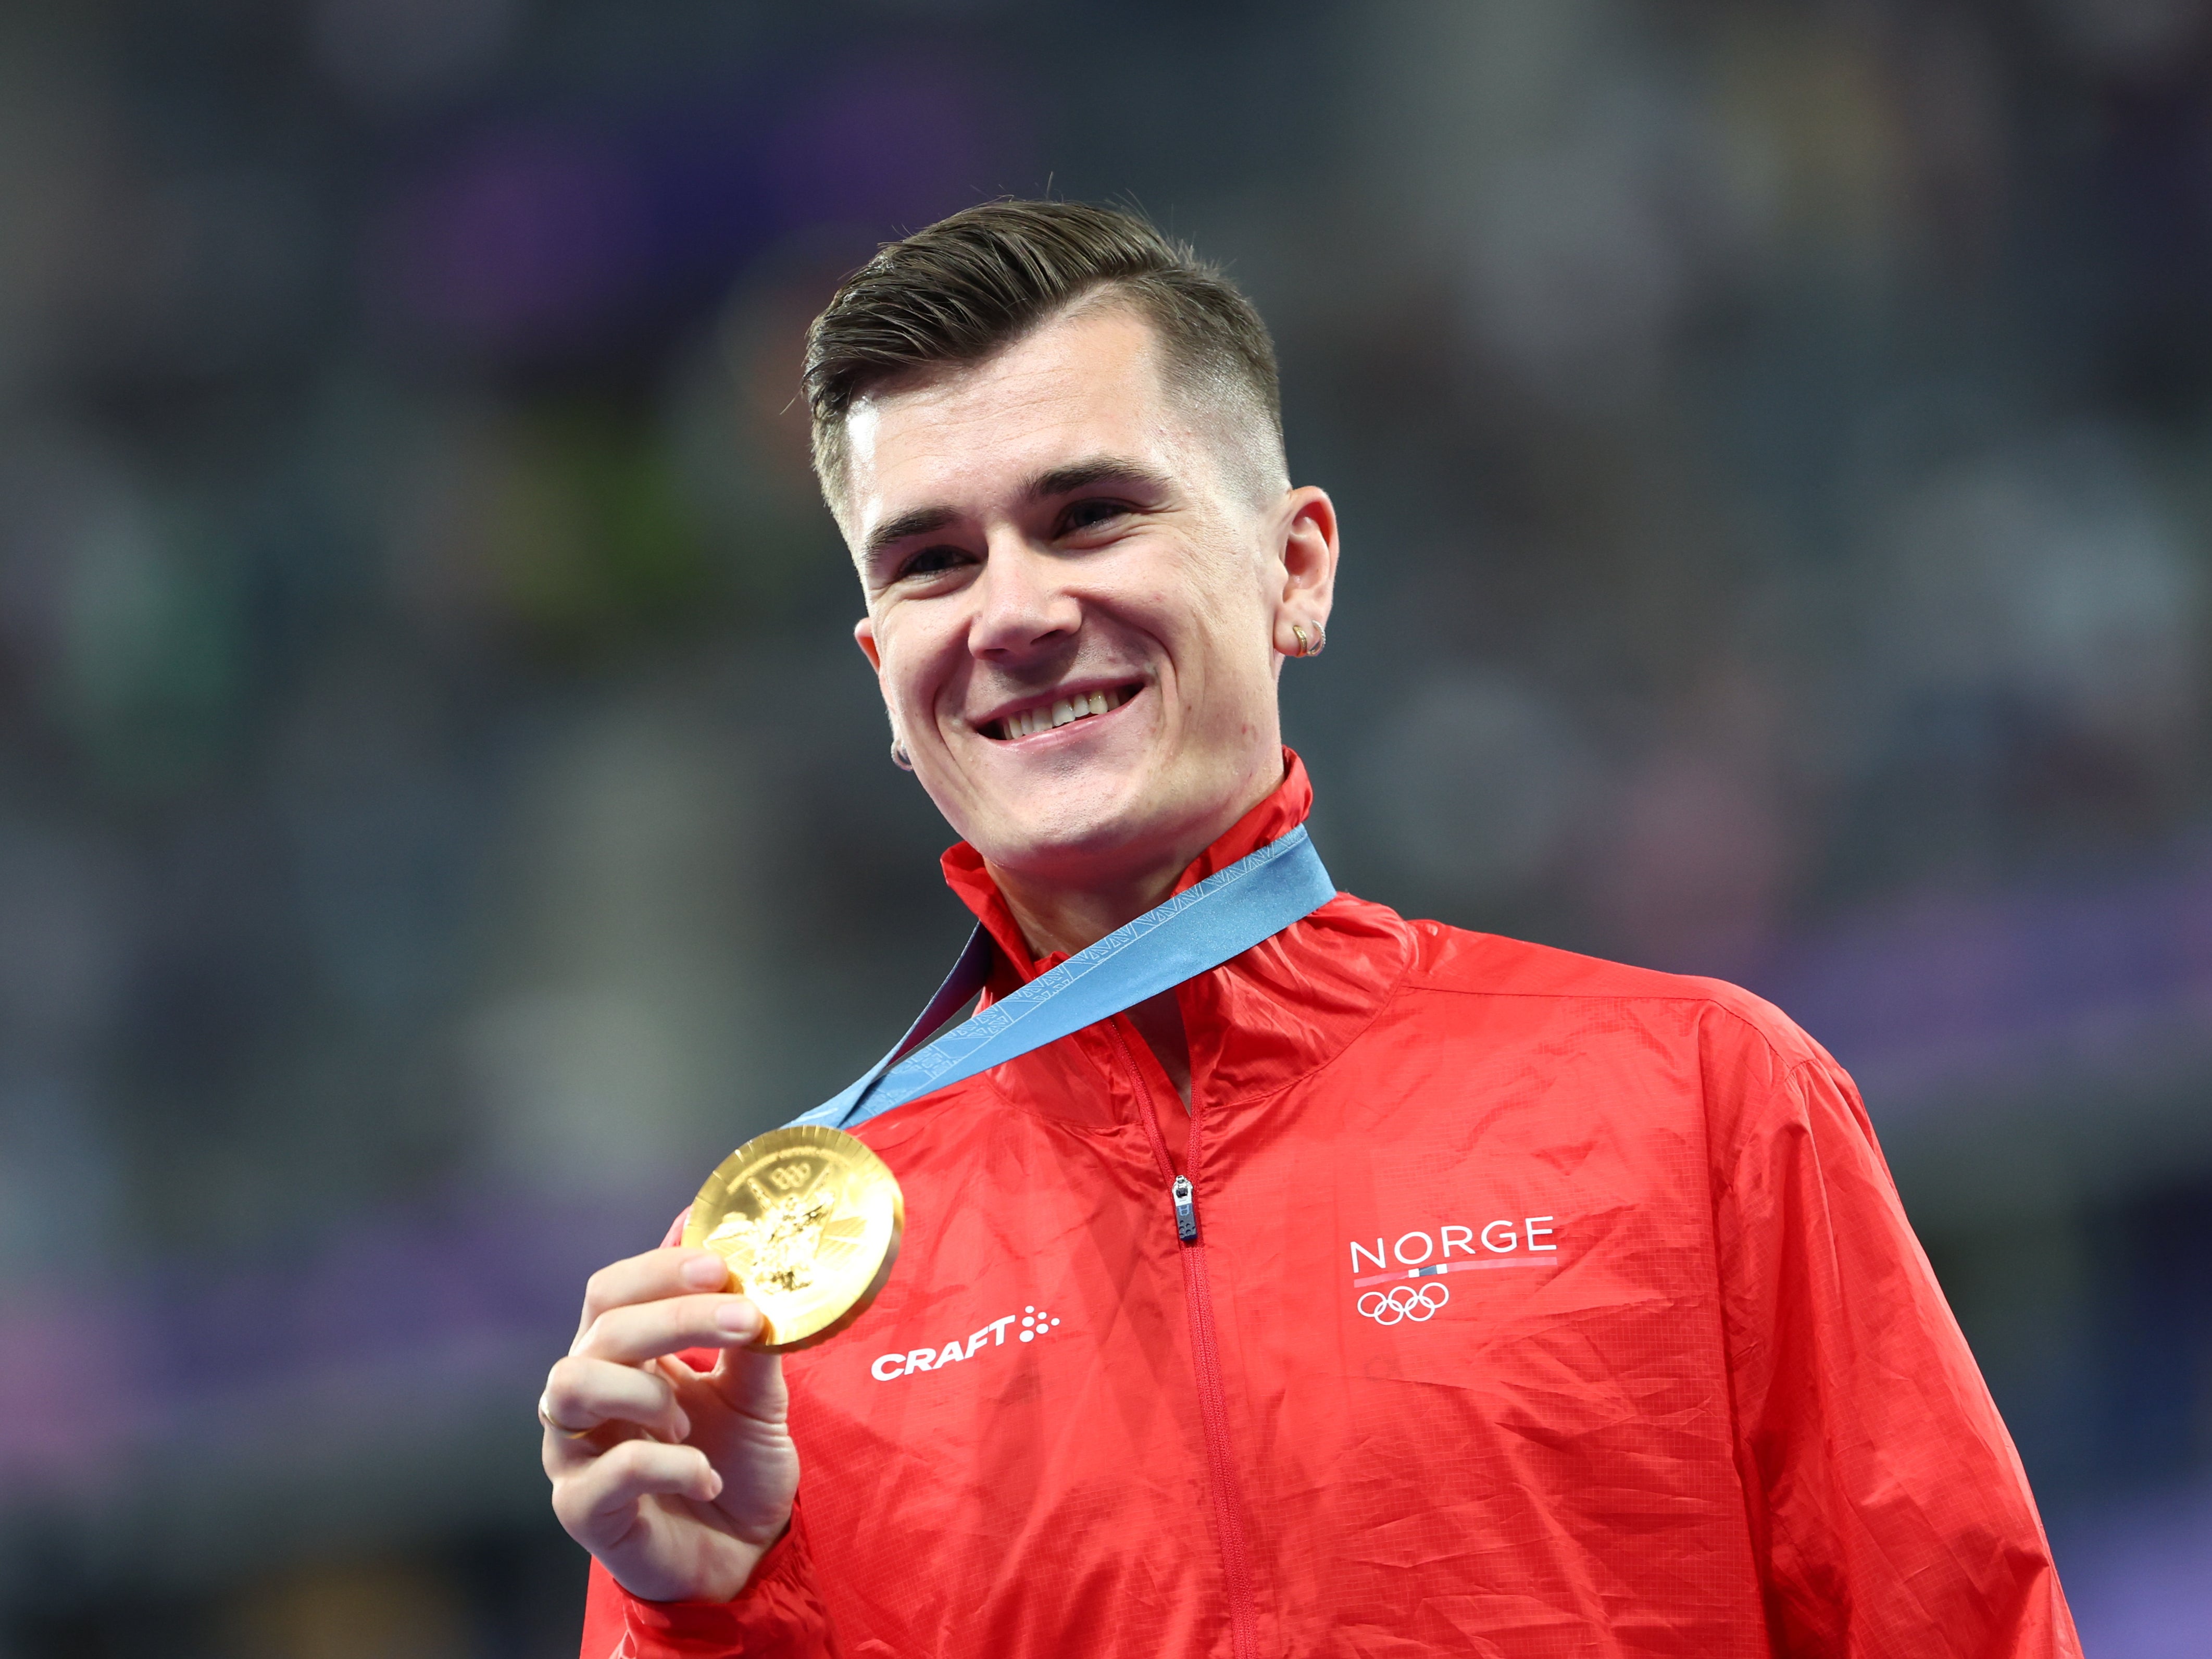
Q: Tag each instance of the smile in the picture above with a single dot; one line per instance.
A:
(1049, 711)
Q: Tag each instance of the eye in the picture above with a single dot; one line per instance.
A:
(1090, 513)
(934, 562)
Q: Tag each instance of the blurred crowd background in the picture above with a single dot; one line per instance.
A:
(442, 812)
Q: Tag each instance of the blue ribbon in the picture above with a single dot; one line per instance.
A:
(1201, 927)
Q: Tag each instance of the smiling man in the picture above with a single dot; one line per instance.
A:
(1389, 1289)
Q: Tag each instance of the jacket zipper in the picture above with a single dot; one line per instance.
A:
(1205, 1359)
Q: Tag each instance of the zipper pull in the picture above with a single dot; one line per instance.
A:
(1186, 1208)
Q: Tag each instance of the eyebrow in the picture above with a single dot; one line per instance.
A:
(1060, 481)
(906, 528)
(1099, 469)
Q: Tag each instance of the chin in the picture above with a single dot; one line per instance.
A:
(1073, 831)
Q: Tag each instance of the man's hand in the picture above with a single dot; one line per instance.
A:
(677, 1480)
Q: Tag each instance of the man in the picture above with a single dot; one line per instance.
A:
(1702, 1397)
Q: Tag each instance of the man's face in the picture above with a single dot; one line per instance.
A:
(1073, 604)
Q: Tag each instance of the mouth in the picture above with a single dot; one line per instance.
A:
(1066, 707)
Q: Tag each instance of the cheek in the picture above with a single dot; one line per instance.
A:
(909, 702)
(913, 675)
(1226, 663)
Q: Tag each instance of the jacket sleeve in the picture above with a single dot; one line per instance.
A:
(1887, 1507)
(778, 1613)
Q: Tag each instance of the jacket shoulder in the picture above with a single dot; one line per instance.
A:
(1456, 960)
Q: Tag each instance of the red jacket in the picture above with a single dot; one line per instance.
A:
(1539, 1306)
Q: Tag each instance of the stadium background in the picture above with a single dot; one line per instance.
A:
(441, 810)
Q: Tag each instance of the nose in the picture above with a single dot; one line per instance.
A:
(1022, 603)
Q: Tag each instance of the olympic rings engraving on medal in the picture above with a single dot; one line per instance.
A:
(1402, 1302)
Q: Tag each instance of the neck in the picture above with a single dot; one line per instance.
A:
(1070, 915)
(1055, 917)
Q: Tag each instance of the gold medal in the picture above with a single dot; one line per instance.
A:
(810, 1221)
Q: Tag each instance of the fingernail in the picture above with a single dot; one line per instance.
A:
(708, 1272)
(739, 1318)
(683, 1428)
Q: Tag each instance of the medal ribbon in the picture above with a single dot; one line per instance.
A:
(1201, 927)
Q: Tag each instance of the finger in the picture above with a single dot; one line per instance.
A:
(632, 1334)
(597, 1502)
(650, 1276)
(561, 1455)
(749, 1381)
(581, 1394)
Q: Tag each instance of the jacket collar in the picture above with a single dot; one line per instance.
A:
(1282, 811)
(1260, 1021)
(1257, 1023)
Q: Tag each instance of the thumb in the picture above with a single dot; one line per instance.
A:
(749, 1382)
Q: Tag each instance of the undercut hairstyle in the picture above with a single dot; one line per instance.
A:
(957, 293)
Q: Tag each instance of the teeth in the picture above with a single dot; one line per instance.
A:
(1063, 711)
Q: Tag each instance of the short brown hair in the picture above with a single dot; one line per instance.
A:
(955, 293)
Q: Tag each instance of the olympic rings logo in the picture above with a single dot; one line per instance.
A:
(1403, 1301)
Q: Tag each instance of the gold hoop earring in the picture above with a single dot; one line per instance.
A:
(1298, 633)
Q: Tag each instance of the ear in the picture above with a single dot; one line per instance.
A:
(864, 635)
(1307, 557)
